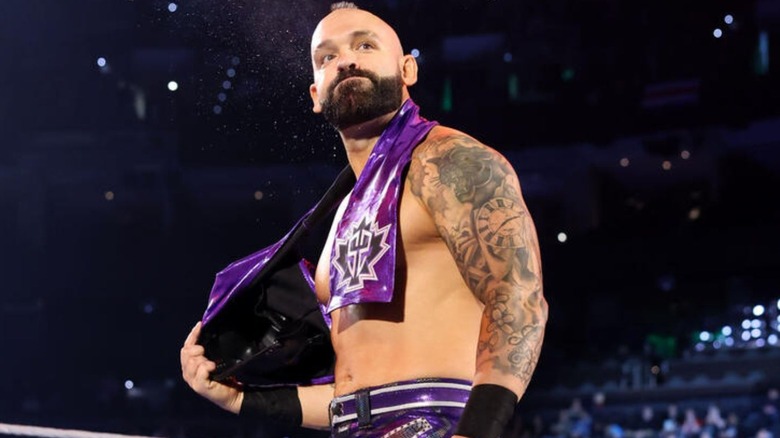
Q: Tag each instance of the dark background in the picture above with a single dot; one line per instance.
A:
(120, 199)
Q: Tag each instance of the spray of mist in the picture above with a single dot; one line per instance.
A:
(271, 39)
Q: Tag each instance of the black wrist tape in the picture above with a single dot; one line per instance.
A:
(279, 404)
(488, 411)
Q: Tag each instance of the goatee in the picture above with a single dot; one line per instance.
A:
(356, 102)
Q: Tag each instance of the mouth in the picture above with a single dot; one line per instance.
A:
(349, 85)
(351, 78)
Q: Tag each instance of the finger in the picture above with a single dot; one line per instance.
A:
(203, 373)
(191, 366)
(191, 351)
(193, 336)
(189, 360)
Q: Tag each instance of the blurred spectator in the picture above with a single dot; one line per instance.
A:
(691, 426)
(561, 427)
(604, 422)
(632, 373)
(773, 397)
(714, 423)
(772, 406)
(732, 426)
(766, 416)
(574, 422)
(581, 421)
(614, 430)
(670, 427)
(646, 424)
(537, 426)
(601, 419)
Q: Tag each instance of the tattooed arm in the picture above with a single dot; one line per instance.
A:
(474, 196)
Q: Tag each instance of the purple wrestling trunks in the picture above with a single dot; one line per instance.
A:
(421, 408)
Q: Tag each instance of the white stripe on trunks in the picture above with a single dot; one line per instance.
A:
(405, 387)
(425, 404)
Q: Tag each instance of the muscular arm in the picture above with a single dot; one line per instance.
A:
(474, 196)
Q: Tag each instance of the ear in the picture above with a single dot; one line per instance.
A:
(315, 98)
(409, 70)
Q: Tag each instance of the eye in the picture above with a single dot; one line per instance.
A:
(365, 46)
(326, 58)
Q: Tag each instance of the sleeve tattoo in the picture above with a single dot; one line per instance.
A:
(474, 196)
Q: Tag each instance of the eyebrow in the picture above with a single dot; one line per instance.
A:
(354, 35)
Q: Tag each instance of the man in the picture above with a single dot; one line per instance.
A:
(442, 339)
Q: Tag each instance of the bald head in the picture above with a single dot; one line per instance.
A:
(344, 23)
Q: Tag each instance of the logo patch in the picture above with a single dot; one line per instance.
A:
(356, 254)
(414, 429)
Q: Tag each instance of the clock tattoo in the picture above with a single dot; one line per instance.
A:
(499, 222)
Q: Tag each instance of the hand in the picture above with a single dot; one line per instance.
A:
(196, 368)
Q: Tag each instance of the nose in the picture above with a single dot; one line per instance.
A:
(347, 66)
(347, 62)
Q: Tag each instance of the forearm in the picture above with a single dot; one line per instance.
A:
(509, 344)
(511, 337)
(315, 405)
(305, 406)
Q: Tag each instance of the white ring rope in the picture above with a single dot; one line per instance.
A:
(49, 432)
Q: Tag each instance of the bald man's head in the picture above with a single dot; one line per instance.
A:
(346, 17)
(360, 70)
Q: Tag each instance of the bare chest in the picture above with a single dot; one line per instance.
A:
(416, 231)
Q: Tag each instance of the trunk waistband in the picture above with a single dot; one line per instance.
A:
(362, 404)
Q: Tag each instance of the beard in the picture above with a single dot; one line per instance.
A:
(357, 102)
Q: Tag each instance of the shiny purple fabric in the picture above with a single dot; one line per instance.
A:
(423, 408)
(378, 190)
(364, 249)
(238, 275)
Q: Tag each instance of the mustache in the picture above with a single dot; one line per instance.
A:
(354, 73)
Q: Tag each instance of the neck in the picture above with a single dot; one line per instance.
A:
(359, 140)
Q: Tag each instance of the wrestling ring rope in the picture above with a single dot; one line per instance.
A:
(50, 432)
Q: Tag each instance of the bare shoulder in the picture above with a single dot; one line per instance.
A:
(442, 139)
(473, 194)
(453, 160)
